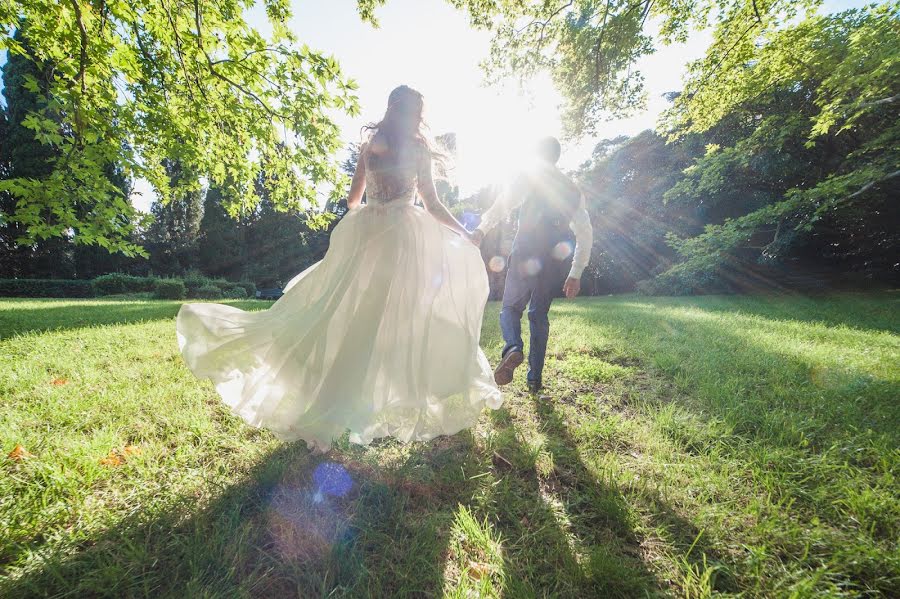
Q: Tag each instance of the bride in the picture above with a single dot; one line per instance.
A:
(379, 338)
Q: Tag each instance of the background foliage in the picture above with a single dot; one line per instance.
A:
(140, 86)
(776, 165)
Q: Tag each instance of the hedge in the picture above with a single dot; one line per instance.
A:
(45, 288)
(209, 292)
(193, 285)
(170, 289)
(116, 282)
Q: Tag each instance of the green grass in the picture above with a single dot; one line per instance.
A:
(687, 447)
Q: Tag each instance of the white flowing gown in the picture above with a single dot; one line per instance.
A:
(379, 338)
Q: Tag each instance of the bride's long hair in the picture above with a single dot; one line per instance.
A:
(403, 127)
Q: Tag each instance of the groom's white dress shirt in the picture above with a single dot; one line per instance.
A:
(580, 224)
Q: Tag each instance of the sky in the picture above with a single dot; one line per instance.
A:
(430, 46)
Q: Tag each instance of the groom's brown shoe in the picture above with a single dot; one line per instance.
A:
(504, 373)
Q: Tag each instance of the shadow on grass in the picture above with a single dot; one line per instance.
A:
(564, 533)
(296, 525)
(809, 420)
(299, 526)
(20, 317)
(763, 392)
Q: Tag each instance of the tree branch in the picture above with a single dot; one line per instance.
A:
(756, 12)
(226, 79)
(546, 22)
(870, 185)
(645, 4)
(599, 45)
(187, 78)
(733, 46)
(84, 43)
(249, 54)
(879, 102)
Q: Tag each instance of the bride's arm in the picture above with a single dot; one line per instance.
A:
(358, 186)
(430, 198)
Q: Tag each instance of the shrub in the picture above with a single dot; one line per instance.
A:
(209, 292)
(117, 282)
(170, 289)
(193, 281)
(685, 279)
(249, 288)
(45, 288)
(236, 292)
(222, 284)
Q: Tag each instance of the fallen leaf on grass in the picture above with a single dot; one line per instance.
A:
(59, 381)
(117, 457)
(478, 570)
(19, 453)
(113, 459)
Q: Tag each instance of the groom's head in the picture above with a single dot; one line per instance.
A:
(548, 149)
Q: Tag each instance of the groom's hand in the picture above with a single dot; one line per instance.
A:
(572, 287)
(476, 237)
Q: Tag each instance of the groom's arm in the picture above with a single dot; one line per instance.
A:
(508, 200)
(584, 241)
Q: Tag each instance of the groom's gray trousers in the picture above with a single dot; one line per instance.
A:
(532, 281)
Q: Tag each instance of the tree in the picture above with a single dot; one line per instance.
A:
(4, 147)
(26, 158)
(172, 237)
(280, 242)
(591, 47)
(822, 153)
(625, 185)
(337, 205)
(137, 83)
(91, 261)
(222, 242)
(447, 191)
(8, 246)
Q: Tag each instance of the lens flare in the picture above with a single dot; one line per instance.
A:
(531, 267)
(562, 250)
(497, 264)
(305, 521)
(332, 479)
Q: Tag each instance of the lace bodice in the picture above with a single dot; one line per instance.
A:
(394, 181)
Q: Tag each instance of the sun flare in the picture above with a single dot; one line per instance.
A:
(496, 132)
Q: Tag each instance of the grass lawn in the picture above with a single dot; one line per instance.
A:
(686, 447)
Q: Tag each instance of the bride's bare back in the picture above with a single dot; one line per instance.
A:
(396, 174)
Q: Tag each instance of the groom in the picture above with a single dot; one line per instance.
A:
(551, 210)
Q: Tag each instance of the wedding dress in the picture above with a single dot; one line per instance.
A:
(379, 338)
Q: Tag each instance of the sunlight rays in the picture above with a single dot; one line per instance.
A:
(497, 129)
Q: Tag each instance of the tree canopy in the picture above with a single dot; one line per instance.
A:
(799, 111)
(591, 47)
(820, 149)
(138, 83)
(784, 141)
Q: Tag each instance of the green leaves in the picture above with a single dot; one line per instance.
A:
(814, 109)
(138, 83)
(367, 10)
(790, 154)
(591, 47)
